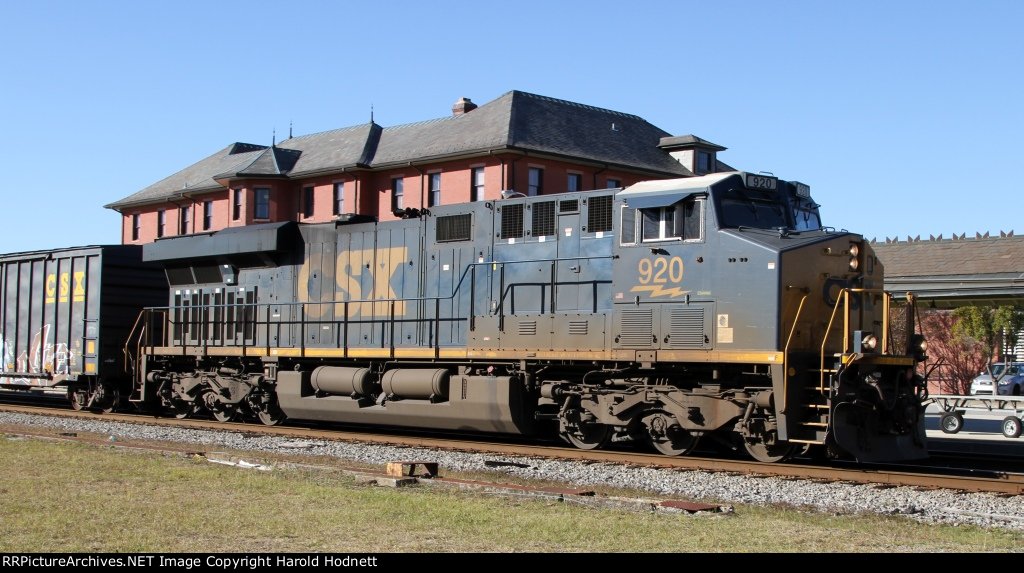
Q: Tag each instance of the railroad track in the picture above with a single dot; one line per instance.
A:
(991, 481)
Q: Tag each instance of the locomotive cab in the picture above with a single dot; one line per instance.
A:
(727, 285)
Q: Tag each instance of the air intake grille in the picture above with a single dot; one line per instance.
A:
(599, 214)
(637, 328)
(544, 219)
(528, 328)
(570, 206)
(511, 222)
(686, 328)
(454, 228)
(578, 327)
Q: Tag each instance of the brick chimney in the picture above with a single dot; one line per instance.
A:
(463, 106)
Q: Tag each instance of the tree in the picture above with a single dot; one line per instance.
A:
(955, 359)
(994, 328)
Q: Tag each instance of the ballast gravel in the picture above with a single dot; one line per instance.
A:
(934, 506)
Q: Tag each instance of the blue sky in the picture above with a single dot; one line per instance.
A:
(905, 117)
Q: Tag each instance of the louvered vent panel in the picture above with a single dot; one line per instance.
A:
(528, 328)
(637, 328)
(686, 328)
(578, 327)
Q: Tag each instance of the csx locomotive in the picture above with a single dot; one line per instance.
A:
(664, 313)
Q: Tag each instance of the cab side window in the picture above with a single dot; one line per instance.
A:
(681, 221)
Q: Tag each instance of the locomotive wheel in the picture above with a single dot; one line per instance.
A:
(762, 452)
(270, 414)
(182, 409)
(220, 411)
(666, 436)
(589, 437)
(951, 423)
(1011, 427)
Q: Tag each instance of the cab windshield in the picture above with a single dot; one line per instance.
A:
(757, 209)
(805, 216)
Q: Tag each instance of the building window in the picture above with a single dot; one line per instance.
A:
(135, 227)
(339, 198)
(434, 195)
(207, 215)
(183, 220)
(236, 205)
(397, 194)
(307, 202)
(536, 182)
(477, 181)
(575, 182)
(261, 207)
(613, 183)
(161, 220)
(703, 162)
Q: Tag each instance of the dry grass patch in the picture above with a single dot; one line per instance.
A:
(59, 497)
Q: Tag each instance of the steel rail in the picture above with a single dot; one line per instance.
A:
(994, 482)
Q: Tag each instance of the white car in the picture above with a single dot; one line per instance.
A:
(999, 380)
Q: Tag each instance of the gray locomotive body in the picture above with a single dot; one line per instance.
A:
(660, 313)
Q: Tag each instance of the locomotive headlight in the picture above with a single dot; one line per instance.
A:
(854, 257)
(919, 347)
(869, 342)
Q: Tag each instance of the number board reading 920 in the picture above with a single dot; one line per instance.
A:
(762, 182)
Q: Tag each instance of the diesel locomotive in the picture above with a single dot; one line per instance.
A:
(663, 313)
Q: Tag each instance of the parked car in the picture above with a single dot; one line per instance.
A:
(1000, 379)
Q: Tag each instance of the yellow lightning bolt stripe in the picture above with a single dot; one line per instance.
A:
(657, 290)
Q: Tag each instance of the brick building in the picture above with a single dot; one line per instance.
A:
(519, 142)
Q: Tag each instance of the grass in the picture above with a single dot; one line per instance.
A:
(62, 497)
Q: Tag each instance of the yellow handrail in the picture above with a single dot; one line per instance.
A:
(785, 354)
(844, 298)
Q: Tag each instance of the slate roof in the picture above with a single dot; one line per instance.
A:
(955, 272)
(198, 176)
(515, 121)
(979, 256)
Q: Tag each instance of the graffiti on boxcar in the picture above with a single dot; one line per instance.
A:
(42, 357)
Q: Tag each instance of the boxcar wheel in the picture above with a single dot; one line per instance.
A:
(1011, 427)
(951, 423)
(107, 398)
(78, 398)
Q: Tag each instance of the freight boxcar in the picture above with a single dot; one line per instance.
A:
(64, 316)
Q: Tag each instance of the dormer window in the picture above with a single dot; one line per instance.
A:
(704, 162)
